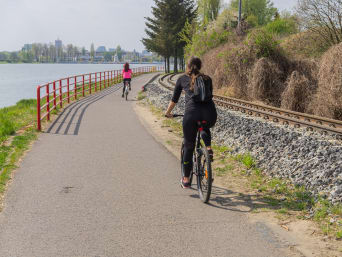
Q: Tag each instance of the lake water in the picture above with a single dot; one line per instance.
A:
(19, 81)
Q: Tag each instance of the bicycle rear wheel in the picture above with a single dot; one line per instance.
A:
(204, 176)
(126, 92)
(182, 165)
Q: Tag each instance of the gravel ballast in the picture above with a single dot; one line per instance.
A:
(306, 158)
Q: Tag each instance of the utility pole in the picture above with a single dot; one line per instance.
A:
(240, 11)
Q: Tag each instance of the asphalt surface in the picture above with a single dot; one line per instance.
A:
(97, 184)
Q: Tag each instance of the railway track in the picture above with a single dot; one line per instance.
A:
(277, 115)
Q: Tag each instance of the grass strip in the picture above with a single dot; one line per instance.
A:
(17, 148)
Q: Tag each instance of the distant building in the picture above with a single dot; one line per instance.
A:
(100, 50)
(146, 53)
(27, 47)
(58, 44)
(84, 58)
(116, 58)
(98, 58)
(112, 50)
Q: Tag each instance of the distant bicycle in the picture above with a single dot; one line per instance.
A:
(126, 89)
(202, 165)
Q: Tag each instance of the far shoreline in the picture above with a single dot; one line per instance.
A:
(143, 63)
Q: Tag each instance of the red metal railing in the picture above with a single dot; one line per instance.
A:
(68, 89)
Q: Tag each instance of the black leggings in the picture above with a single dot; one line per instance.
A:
(129, 82)
(201, 113)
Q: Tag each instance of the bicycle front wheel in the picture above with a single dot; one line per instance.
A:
(204, 176)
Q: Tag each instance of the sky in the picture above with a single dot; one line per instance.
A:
(79, 22)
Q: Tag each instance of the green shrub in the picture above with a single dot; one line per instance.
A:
(339, 234)
(263, 42)
(27, 103)
(282, 27)
(248, 161)
(252, 21)
(203, 41)
(6, 127)
(224, 20)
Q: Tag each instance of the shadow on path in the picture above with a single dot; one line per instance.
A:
(226, 199)
(71, 117)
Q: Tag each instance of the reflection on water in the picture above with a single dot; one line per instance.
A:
(19, 81)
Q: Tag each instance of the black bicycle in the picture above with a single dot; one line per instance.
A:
(201, 164)
(126, 88)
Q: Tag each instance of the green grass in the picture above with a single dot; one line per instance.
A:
(284, 197)
(221, 171)
(141, 95)
(18, 146)
(339, 234)
(221, 149)
(4, 152)
(15, 117)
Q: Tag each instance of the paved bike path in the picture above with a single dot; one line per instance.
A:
(98, 184)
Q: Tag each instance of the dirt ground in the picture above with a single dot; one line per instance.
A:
(303, 236)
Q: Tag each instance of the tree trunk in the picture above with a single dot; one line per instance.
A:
(165, 67)
(175, 63)
(168, 64)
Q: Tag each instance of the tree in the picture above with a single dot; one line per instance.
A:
(25, 56)
(52, 53)
(119, 52)
(36, 49)
(75, 53)
(263, 10)
(108, 56)
(14, 57)
(157, 33)
(322, 17)
(92, 51)
(169, 18)
(209, 9)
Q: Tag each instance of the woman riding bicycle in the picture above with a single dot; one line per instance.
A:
(195, 111)
(127, 77)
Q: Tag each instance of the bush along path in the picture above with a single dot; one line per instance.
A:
(297, 173)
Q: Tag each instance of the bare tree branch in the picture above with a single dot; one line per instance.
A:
(323, 17)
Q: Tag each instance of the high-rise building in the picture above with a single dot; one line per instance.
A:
(146, 53)
(27, 47)
(101, 50)
(59, 49)
(58, 44)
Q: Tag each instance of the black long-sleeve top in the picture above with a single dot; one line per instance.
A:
(183, 83)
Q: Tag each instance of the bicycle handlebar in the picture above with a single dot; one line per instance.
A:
(176, 115)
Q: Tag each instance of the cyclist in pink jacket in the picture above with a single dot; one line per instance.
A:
(127, 76)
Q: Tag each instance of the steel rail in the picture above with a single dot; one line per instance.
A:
(277, 115)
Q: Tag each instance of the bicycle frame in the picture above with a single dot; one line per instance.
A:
(198, 152)
(199, 170)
